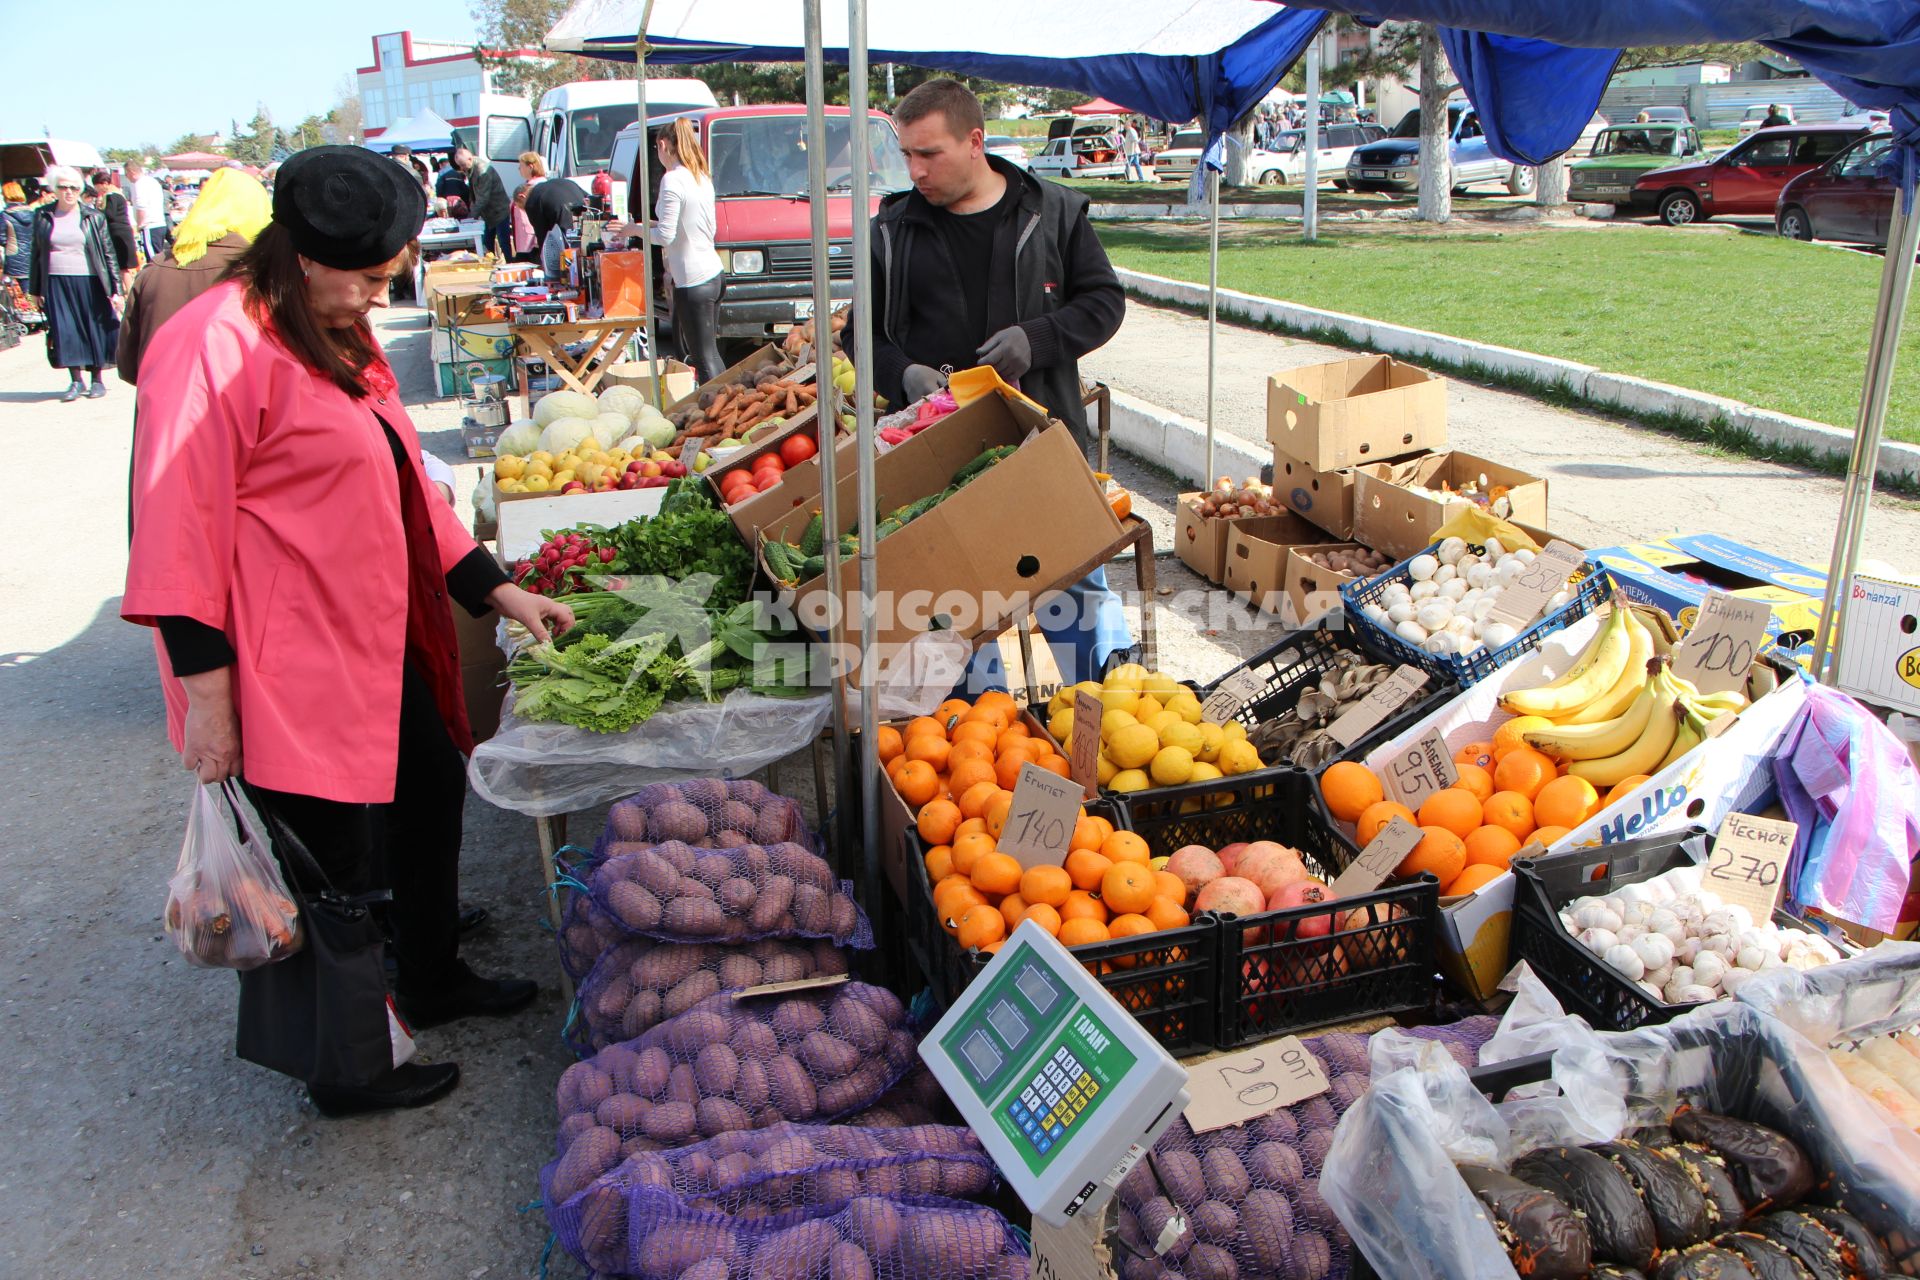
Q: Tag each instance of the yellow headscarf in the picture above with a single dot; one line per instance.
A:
(229, 202)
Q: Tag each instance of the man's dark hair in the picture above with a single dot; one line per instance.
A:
(401, 151)
(101, 178)
(950, 98)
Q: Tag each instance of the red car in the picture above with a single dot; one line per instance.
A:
(1747, 177)
(1848, 199)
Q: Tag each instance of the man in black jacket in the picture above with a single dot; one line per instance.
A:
(489, 202)
(982, 263)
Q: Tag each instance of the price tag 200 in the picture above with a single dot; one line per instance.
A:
(1726, 636)
(1419, 769)
(1040, 820)
(1239, 1087)
(1382, 856)
(1748, 864)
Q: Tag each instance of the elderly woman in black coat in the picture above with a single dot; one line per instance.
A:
(74, 275)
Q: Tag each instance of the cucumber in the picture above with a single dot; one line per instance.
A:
(815, 535)
(812, 567)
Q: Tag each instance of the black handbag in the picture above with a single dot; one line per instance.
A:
(321, 1015)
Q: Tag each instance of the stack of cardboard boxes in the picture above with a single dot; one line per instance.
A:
(1359, 455)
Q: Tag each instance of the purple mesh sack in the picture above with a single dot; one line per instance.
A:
(917, 1099)
(727, 1065)
(763, 1173)
(707, 813)
(864, 1238)
(1245, 1200)
(640, 983)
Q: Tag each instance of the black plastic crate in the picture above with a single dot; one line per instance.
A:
(1166, 980)
(1585, 984)
(1591, 589)
(1266, 804)
(1295, 663)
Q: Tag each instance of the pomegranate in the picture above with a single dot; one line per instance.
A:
(1230, 853)
(1304, 892)
(1230, 894)
(1197, 867)
(1271, 866)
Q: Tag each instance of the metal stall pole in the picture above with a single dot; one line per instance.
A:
(1213, 310)
(1310, 209)
(827, 418)
(861, 156)
(1896, 280)
(643, 178)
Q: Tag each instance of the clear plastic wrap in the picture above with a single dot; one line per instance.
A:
(227, 905)
(543, 770)
(1869, 994)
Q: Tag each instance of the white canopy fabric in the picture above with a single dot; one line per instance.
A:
(424, 132)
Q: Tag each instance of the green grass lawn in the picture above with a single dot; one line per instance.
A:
(1772, 322)
(1109, 191)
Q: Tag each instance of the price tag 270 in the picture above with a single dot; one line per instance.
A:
(1748, 864)
(1523, 598)
(1040, 820)
(1239, 1087)
(1725, 638)
(1419, 769)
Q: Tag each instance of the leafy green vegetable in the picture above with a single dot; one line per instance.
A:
(690, 536)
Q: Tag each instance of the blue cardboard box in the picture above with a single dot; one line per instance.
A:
(1676, 573)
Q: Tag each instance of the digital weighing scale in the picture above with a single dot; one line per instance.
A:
(1062, 1086)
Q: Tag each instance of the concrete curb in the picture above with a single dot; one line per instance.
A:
(1179, 443)
(1181, 209)
(1612, 392)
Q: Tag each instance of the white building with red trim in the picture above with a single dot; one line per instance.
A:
(410, 75)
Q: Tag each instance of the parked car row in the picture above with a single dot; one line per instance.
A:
(1393, 163)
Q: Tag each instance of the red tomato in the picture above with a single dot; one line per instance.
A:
(796, 449)
(769, 462)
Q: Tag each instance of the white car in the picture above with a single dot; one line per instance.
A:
(1008, 149)
(1086, 155)
(1286, 161)
(1755, 115)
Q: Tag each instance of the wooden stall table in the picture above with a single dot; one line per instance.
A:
(607, 340)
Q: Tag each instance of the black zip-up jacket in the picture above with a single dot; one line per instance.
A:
(1061, 290)
(102, 262)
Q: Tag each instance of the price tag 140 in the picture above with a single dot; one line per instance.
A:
(1040, 819)
(1523, 598)
(1230, 696)
(1419, 769)
(1748, 864)
(1726, 636)
(1238, 1087)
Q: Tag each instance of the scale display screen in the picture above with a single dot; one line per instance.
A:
(1038, 1060)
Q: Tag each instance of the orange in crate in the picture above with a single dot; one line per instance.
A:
(1167, 913)
(1171, 887)
(1512, 810)
(1566, 802)
(1127, 889)
(1044, 916)
(969, 849)
(971, 732)
(1454, 808)
(1491, 846)
(1474, 778)
(980, 926)
(931, 748)
(888, 742)
(1090, 832)
(924, 724)
(938, 820)
(996, 875)
(1439, 851)
(918, 783)
(1378, 815)
(996, 812)
(973, 801)
(1087, 869)
(1047, 885)
(1477, 754)
(1012, 907)
(1125, 846)
(1348, 788)
(1081, 905)
(951, 710)
(968, 774)
(1080, 930)
(970, 751)
(1524, 770)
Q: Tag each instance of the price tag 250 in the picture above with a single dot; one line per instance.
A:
(1523, 598)
(1040, 820)
(1239, 1087)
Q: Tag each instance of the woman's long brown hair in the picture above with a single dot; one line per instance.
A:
(277, 299)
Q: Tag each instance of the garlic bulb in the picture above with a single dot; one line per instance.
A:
(1623, 958)
(1598, 941)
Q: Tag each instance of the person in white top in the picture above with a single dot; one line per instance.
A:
(149, 202)
(684, 227)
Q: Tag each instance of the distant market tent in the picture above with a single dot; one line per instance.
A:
(194, 160)
(427, 131)
(1098, 107)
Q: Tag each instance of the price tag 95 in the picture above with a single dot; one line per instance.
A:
(1419, 769)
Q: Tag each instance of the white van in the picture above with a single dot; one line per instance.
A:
(504, 131)
(576, 124)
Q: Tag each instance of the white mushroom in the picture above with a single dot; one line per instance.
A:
(1422, 567)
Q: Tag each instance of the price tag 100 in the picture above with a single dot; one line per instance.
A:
(1725, 638)
(1040, 819)
(1748, 864)
(1239, 1087)
(1523, 598)
(1419, 769)
(1230, 696)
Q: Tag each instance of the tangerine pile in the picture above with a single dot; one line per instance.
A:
(1104, 889)
(1508, 796)
(963, 757)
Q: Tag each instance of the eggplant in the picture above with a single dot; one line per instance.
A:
(1679, 1210)
(1702, 1262)
(1766, 1258)
(1809, 1241)
(1607, 1271)
(1768, 1169)
(1617, 1221)
(1653, 1135)
(1858, 1247)
(1725, 1210)
(1544, 1238)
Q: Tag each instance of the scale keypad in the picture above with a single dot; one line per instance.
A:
(1058, 1093)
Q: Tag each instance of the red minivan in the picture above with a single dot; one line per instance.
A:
(763, 210)
(1747, 177)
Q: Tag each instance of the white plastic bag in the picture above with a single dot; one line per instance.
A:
(227, 907)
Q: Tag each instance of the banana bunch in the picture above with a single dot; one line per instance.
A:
(1620, 710)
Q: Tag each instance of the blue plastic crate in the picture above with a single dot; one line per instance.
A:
(1592, 588)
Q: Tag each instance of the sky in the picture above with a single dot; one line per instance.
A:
(157, 76)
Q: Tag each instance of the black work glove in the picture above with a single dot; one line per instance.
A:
(1009, 352)
(921, 381)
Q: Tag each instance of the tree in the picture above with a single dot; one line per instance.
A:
(506, 25)
(120, 155)
(1664, 55)
(256, 143)
(189, 142)
(346, 121)
(1436, 159)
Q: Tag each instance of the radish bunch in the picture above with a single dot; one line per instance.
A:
(560, 565)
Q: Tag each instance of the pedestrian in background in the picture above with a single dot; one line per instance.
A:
(1130, 148)
(230, 212)
(19, 229)
(149, 200)
(684, 227)
(119, 224)
(487, 199)
(74, 279)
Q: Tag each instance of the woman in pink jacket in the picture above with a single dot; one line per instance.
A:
(296, 567)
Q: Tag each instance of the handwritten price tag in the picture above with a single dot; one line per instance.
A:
(1419, 769)
(1084, 763)
(1377, 861)
(1381, 701)
(1231, 696)
(1748, 864)
(1040, 819)
(1725, 638)
(1243, 1086)
(1523, 599)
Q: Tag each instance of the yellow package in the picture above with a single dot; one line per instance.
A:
(1475, 525)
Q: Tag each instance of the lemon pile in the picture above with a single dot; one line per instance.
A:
(1152, 733)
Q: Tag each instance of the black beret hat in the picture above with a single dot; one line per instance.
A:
(346, 207)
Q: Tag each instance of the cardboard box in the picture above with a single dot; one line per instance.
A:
(799, 486)
(482, 670)
(479, 340)
(1326, 497)
(1201, 541)
(678, 383)
(1026, 527)
(1881, 659)
(455, 377)
(1389, 515)
(1675, 573)
(1312, 590)
(745, 368)
(1346, 412)
(1257, 556)
(521, 516)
